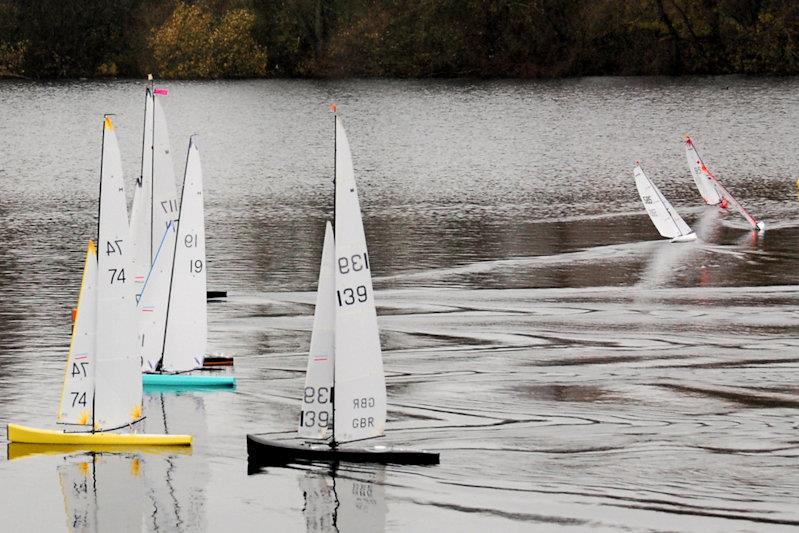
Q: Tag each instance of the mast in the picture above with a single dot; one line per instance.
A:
(152, 169)
(97, 249)
(333, 387)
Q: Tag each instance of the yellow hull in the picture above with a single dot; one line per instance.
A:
(19, 450)
(18, 433)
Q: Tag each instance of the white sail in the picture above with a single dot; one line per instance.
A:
(165, 203)
(667, 221)
(142, 202)
(75, 406)
(153, 302)
(316, 418)
(118, 384)
(360, 388)
(187, 321)
(703, 183)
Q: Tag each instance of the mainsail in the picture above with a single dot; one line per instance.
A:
(155, 201)
(77, 393)
(118, 385)
(316, 418)
(142, 200)
(706, 187)
(360, 388)
(186, 332)
(667, 221)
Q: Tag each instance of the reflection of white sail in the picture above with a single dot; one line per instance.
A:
(360, 387)
(667, 221)
(176, 484)
(346, 501)
(316, 416)
(362, 501)
(78, 389)
(102, 492)
(695, 165)
(320, 502)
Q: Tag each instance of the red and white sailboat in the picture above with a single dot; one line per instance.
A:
(711, 189)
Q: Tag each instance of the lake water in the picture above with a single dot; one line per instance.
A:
(574, 370)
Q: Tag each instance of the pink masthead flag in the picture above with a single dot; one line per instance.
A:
(162, 92)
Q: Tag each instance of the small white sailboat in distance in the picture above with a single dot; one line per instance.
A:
(102, 383)
(668, 222)
(344, 399)
(711, 189)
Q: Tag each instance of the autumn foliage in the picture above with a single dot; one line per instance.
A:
(404, 38)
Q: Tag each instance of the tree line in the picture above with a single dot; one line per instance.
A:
(397, 38)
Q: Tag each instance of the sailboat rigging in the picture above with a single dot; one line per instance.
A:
(103, 386)
(344, 399)
(713, 192)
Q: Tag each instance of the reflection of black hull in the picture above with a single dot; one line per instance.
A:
(210, 295)
(273, 452)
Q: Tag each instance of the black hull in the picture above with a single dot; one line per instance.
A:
(261, 451)
(216, 362)
(210, 295)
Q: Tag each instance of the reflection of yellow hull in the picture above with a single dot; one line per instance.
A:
(18, 450)
(45, 436)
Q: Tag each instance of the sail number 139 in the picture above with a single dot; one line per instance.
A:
(354, 263)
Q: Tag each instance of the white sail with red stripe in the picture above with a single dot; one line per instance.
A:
(706, 187)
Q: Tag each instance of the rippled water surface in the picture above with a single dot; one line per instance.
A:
(573, 370)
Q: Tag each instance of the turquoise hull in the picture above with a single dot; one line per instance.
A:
(187, 380)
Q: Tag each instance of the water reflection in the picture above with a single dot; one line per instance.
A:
(350, 500)
(341, 499)
(175, 499)
(102, 492)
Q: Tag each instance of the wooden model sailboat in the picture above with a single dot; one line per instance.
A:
(344, 399)
(173, 324)
(668, 222)
(102, 383)
(711, 189)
